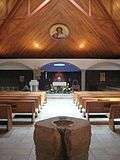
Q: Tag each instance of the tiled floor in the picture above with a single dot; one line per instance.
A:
(18, 144)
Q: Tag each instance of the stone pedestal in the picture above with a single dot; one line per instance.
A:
(62, 138)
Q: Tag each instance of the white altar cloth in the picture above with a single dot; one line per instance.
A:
(59, 84)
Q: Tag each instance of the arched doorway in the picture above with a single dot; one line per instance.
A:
(60, 73)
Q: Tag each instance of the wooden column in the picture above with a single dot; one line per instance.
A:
(83, 79)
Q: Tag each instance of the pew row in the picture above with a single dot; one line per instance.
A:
(6, 114)
(24, 102)
(78, 96)
(114, 114)
(99, 102)
(42, 95)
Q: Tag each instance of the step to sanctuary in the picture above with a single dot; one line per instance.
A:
(59, 96)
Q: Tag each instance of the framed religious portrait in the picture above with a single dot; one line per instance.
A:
(21, 78)
(59, 31)
(102, 77)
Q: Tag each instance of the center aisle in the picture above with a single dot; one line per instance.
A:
(59, 107)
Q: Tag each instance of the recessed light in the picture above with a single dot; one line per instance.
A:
(59, 64)
(82, 45)
(36, 45)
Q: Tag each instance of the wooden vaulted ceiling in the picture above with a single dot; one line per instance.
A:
(94, 28)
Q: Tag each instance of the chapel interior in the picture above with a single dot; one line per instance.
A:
(59, 79)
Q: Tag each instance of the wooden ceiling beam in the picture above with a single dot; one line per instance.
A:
(111, 7)
(90, 7)
(81, 9)
(11, 14)
(7, 5)
(109, 17)
(42, 5)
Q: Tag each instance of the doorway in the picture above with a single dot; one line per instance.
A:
(59, 77)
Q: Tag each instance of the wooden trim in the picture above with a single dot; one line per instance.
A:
(78, 7)
(110, 17)
(42, 5)
(90, 7)
(9, 113)
(81, 9)
(11, 14)
(111, 7)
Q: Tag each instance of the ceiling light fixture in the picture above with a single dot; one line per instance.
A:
(82, 45)
(59, 64)
(36, 45)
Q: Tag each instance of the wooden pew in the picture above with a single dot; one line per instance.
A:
(22, 106)
(41, 95)
(97, 96)
(18, 97)
(79, 97)
(114, 114)
(6, 113)
(96, 106)
(96, 102)
(43, 98)
(24, 102)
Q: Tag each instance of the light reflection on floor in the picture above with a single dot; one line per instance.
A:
(59, 107)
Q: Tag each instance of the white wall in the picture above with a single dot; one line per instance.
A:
(83, 64)
(12, 65)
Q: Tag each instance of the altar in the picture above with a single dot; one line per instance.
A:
(60, 87)
(60, 84)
